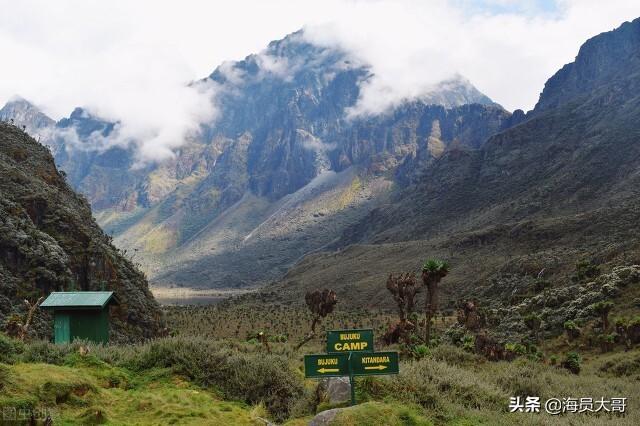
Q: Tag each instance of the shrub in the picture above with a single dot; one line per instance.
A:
(455, 356)
(522, 378)
(278, 338)
(4, 376)
(9, 349)
(469, 342)
(420, 351)
(516, 348)
(253, 378)
(622, 365)
(585, 270)
(455, 333)
(572, 362)
(45, 352)
(572, 329)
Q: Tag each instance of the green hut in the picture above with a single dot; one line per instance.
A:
(80, 315)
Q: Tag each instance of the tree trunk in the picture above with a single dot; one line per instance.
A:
(311, 334)
(430, 308)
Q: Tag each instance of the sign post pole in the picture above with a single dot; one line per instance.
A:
(352, 382)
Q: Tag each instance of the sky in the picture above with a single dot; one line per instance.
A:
(133, 60)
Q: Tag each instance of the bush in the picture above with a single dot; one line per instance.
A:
(469, 342)
(585, 270)
(455, 333)
(455, 356)
(4, 376)
(516, 348)
(420, 351)
(623, 365)
(522, 379)
(572, 362)
(253, 378)
(45, 352)
(572, 329)
(9, 349)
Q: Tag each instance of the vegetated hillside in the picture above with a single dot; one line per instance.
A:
(560, 187)
(50, 242)
(280, 173)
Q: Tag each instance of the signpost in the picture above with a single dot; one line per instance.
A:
(350, 341)
(376, 363)
(326, 365)
(350, 353)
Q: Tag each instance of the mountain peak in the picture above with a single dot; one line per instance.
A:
(601, 59)
(286, 59)
(455, 91)
(24, 113)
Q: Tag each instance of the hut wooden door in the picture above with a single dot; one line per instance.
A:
(62, 329)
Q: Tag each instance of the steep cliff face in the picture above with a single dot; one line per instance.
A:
(294, 100)
(50, 242)
(604, 59)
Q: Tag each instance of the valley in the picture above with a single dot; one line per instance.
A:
(496, 253)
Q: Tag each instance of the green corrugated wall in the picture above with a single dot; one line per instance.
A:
(90, 325)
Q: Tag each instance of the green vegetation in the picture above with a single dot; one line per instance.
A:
(188, 380)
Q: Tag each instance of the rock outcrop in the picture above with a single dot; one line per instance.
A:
(50, 242)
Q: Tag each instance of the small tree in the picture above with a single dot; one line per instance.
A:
(20, 330)
(573, 332)
(433, 271)
(321, 304)
(533, 323)
(602, 309)
(403, 288)
(468, 315)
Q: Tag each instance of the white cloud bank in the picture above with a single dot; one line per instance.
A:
(132, 61)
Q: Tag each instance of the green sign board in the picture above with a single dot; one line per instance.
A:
(365, 364)
(350, 353)
(349, 341)
(326, 365)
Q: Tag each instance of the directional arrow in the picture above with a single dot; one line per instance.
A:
(376, 367)
(328, 370)
(372, 363)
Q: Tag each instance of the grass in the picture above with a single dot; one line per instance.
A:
(81, 395)
(202, 380)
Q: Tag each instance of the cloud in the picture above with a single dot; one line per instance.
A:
(133, 62)
(507, 49)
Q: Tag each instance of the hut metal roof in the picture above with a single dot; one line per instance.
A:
(78, 299)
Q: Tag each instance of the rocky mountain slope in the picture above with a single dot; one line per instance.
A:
(22, 112)
(284, 169)
(559, 187)
(50, 242)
